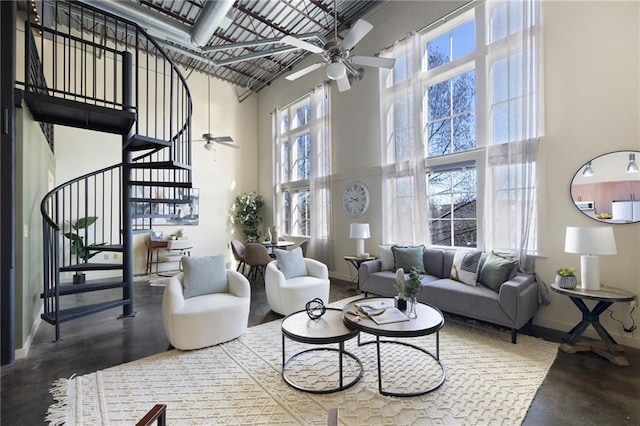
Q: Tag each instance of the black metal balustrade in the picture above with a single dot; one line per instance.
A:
(86, 68)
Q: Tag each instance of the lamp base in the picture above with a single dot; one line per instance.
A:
(590, 272)
(359, 247)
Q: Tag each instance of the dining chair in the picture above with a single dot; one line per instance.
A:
(304, 246)
(257, 257)
(237, 248)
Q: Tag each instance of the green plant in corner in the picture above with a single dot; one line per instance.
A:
(569, 271)
(78, 248)
(247, 214)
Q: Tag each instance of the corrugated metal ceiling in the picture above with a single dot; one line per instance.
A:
(254, 20)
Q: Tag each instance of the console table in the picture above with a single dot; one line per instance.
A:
(152, 248)
(606, 296)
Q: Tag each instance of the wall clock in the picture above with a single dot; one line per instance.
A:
(355, 199)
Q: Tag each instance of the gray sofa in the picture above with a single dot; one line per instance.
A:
(513, 306)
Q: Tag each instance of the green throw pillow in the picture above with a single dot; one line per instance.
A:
(204, 275)
(291, 263)
(496, 270)
(408, 258)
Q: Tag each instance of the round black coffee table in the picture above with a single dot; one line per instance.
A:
(430, 320)
(327, 330)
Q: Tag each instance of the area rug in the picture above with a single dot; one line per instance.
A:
(490, 381)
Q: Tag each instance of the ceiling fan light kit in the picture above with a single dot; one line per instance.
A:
(336, 71)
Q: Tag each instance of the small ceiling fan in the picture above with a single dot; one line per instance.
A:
(335, 55)
(208, 137)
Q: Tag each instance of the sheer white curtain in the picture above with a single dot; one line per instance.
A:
(514, 64)
(320, 242)
(404, 212)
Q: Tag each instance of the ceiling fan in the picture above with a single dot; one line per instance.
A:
(208, 137)
(335, 55)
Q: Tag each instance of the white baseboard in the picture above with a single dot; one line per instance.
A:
(340, 276)
(24, 351)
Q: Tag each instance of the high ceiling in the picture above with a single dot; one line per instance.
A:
(252, 21)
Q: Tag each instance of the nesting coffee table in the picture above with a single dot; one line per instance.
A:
(329, 329)
(430, 320)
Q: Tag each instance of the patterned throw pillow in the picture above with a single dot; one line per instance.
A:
(465, 266)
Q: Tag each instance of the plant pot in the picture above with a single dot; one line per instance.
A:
(79, 278)
(567, 282)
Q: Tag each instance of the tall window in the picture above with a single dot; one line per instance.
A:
(456, 91)
(294, 142)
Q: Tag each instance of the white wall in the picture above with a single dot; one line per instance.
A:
(592, 92)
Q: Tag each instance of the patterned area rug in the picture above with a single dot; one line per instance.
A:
(489, 381)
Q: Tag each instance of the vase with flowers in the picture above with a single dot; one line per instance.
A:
(407, 289)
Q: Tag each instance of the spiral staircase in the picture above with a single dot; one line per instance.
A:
(89, 69)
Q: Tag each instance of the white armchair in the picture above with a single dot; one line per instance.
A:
(287, 296)
(206, 320)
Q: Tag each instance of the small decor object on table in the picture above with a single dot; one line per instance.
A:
(566, 277)
(315, 308)
(408, 288)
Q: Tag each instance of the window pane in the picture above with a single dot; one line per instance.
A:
(464, 132)
(499, 90)
(284, 123)
(302, 116)
(439, 138)
(452, 207)
(464, 92)
(401, 68)
(302, 151)
(284, 161)
(498, 26)
(439, 97)
(301, 214)
(286, 211)
(438, 51)
(463, 39)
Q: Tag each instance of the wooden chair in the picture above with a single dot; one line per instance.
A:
(238, 253)
(257, 257)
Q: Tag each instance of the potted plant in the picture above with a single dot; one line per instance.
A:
(407, 288)
(78, 248)
(566, 277)
(247, 214)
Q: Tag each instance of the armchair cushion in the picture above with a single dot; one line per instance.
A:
(204, 275)
(291, 263)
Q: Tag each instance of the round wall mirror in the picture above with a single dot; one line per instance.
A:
(607, 188)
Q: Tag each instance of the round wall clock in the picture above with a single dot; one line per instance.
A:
(355, 199)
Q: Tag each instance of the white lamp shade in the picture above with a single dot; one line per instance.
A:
(359, 230)
(590, 240)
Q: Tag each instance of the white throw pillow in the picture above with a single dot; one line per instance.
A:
(386, 258)
(204, 275)
(291, 263)
(465, 266)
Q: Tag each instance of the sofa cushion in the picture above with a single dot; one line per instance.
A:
(465, 266)
(204, 275)
(386, 258)
(291, 263)
(408, 258)
(496, 270)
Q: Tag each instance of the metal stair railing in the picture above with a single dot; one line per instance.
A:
(84, 56)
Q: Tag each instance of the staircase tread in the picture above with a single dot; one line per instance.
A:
(84, 288)
(81, 311)
(161, 165)
(91, 267)
(141, 142)
(106, 247)
(162, 184)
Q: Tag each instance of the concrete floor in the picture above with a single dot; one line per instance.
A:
(580, 389)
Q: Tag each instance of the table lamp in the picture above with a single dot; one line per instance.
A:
(590, 242)
(360, 231)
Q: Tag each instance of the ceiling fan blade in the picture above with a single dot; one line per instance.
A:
(222, 139)
(373, 61)
(305, 70)
(290, 40)
(343, 84)
(230, 145)
(359, 30)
